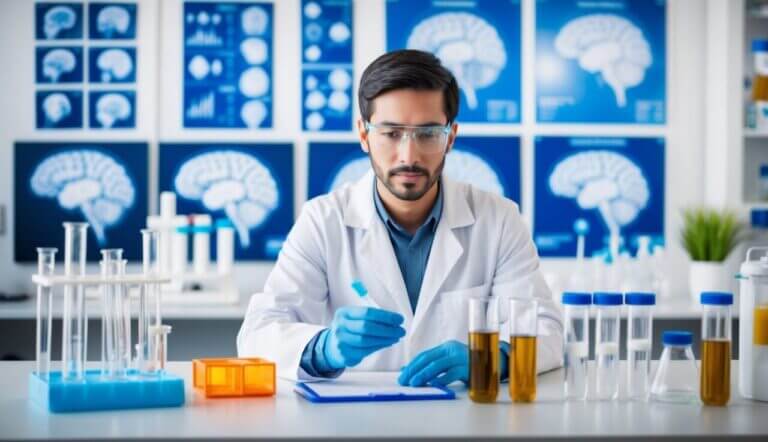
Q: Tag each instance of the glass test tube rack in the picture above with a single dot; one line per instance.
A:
(122, 381)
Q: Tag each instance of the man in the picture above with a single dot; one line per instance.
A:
(420, 244)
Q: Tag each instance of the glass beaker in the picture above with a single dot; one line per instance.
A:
(523, 328)
(483, 349)
(676, 378)
(716, 348)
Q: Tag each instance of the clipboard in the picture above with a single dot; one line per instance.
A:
(328, 392)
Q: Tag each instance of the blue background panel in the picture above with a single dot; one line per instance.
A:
(327, 25)
(38, 216)
(58, 21)
(112, 21)
(622, 43)
(265, 235)
(489, 72)
(59, 109)
(58, 64)
(555, 214)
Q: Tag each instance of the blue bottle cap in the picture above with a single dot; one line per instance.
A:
(608, 298)
(675, 337)
(639, 298)
(576, 298)
(759, 45)
(764, 170)
(716, 298)
(224, 223)
(759, 217)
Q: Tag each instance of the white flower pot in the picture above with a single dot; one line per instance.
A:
(707, 276)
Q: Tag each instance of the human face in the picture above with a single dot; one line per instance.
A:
(407, 169)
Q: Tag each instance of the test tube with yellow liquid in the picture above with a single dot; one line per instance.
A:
(523, 328)
(483, 349)
(715, 387)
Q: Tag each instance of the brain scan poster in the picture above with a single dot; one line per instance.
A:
(251, 185)
(600, 62)
(595, 187)
(227, 65)
(58, 21)
(103, 184)
(479, 41)
(489, 163)
(111, 21)
(327, 75)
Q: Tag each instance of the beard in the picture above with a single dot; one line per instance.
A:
(408, 191)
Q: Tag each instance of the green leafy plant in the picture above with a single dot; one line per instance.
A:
(709, 234)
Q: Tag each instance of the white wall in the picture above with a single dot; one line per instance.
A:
(159, 106)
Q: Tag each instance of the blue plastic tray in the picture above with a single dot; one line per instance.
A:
(97, 393)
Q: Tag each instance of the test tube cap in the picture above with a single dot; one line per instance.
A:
(716, 298)
(577, 298)
(639, 298)
(675, 337)
(608, 298)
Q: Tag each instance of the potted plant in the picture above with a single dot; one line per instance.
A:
(709, 236)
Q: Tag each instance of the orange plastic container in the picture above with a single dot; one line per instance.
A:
(234, 377)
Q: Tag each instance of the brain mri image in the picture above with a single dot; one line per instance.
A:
(114, 65)
(88, 181)
(56, 107)
(605, 181)
(59, 109)
(113, 21)
(113, 108)
(609, 45)
(233, 182)
(57, 63)
(467, 45)
(58, 20)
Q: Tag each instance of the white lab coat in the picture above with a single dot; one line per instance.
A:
(481, 247)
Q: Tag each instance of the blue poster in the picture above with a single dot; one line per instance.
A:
(111, 21)
(228, 65)
(250, 184)
(59, 109)
(58, 21)
(479, 41)
(597, 187)
(327, 60)
(59, 64)
(112, 65)
(490, 163)
(600, 62)
(112, 109)
(103, 184)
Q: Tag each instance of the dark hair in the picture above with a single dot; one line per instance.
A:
(407, 69)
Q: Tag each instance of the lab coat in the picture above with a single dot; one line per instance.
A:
(481, 248)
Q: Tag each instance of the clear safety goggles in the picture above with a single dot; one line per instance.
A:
(427, 139)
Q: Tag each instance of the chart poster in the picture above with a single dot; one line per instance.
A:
(59, 109)
(249, 184)
(327, 61)
(111, 21)
(601, 61)
(479, 41)
(101, 183)
(112, 109)
(227, 65)
(58, 21)
(595, 187)
(58, 64)
(489, 163)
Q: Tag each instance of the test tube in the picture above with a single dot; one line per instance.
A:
(607, 344)
(122, 322)
(576, 347)
(225, 246)
(159, 335)
(46, 264)
(110, 259)
(715, 386)
(74, 332)
(523, 328)
(483, 349)
(639, 343)
(201, 243)
(149, 295)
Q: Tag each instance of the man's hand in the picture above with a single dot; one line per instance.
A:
(441, 365)
(356, 332)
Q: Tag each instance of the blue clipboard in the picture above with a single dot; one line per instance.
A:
(304, 390)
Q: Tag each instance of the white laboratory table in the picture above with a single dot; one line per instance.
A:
(287, 416)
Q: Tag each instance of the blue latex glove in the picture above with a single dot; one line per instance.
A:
(356, 332)
(439, 366)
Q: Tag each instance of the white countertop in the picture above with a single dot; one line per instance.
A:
(288, 416)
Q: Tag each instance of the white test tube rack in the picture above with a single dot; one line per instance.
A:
(142, 386)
